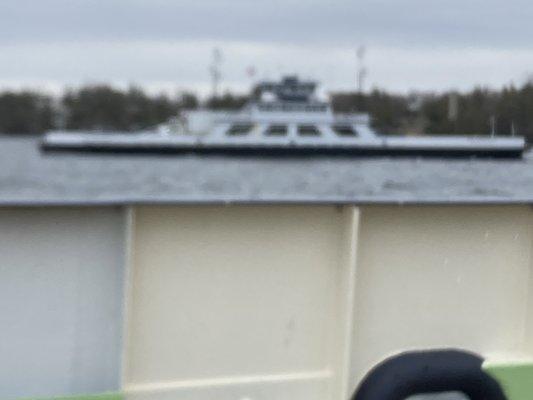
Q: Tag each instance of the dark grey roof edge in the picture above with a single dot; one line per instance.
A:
(273, 202)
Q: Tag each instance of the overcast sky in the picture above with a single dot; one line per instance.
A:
(164, 44)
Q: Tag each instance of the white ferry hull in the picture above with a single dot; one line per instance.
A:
(153, 142)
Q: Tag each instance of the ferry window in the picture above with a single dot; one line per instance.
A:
(240, 129)
(277, 130)
(308, 130)
(344, 130)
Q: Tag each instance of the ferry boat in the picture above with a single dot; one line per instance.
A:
(283, 117)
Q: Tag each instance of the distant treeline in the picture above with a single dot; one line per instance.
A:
(480, 111)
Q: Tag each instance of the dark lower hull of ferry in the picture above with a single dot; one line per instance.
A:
(294, 151)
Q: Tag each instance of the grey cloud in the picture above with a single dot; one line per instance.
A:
(408, 23)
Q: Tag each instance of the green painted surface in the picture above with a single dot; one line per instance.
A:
(516, 379)
(101, 396)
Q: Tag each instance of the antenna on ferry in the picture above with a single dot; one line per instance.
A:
(361, 69)
(251, 71)
(215, 71)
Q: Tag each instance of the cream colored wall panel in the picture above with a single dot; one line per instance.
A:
(232, 293)
(61, 279)
(431, 277)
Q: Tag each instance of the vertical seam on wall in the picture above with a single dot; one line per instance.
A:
(129, 240)
(353, 236)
